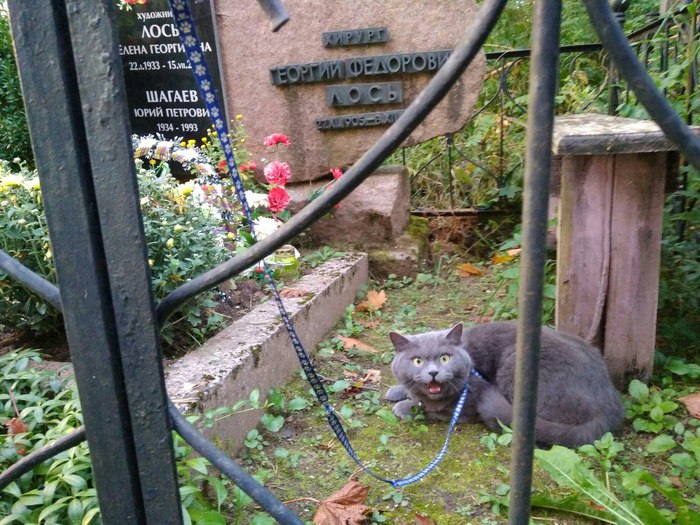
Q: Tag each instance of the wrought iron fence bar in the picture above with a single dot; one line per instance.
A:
(436, 89)
(627, 63)
(524, 53)
(36, 283)
(58, 98)
(460, 212)
(66, 188)
(229, 468)
(30, 461)
(108, 132)
(544, 80)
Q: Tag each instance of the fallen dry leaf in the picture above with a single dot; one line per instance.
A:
(293, 292)
(350, 374)
(514, 251)
(375, 300)
(15, 426)
(466, 269)
(372, 376)
(500, 258)
(692, 404)
(354, 343)
(345, 507)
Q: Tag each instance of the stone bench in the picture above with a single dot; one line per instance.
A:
(614, 173)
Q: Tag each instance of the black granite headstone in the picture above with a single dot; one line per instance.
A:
(162, 94)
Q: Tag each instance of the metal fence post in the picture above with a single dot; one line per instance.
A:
(544, 81)
(76, 108)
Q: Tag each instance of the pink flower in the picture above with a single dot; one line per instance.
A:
(276, 138)
(337, 173)
(277, 199)
(277, 173)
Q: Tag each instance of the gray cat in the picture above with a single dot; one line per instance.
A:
(576, 401)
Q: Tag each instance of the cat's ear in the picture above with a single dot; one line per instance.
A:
(454, 336)
(399, 341)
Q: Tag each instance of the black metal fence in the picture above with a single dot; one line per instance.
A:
(70, 69)
(457, 175)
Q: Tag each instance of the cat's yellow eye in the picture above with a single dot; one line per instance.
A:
(417, 361)
(445, 358)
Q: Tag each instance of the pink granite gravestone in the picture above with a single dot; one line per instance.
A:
(338, 73)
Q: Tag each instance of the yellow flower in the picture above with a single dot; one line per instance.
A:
(183, 143)
(186, 188)
(214, 133)
(48, 255)
(152, 162)
(239, 117)
(11, 181)
(170, 242)
(205, 139)
(150, 263)
(231, 235)
(177, 228)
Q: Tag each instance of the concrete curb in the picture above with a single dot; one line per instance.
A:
(255, 351)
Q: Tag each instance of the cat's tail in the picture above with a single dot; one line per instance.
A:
(494, 407)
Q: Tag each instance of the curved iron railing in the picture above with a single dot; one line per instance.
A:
(139, 502)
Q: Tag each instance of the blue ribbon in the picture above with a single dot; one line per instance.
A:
(193, 49)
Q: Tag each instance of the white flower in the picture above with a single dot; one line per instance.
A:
(265, 226)
(255, 200)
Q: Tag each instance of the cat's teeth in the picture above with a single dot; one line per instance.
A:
(434, 387)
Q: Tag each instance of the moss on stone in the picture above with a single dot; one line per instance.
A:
(255, 351)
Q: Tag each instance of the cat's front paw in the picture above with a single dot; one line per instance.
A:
(404, 409)
(396, 393)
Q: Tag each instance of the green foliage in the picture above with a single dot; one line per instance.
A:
(650, 409)
(604, 481)
(61, 490)
(320, 256)
(503, 301)
(14, 132)
(24, 235)
(181, 244)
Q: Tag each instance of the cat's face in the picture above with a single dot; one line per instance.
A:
(432, 365)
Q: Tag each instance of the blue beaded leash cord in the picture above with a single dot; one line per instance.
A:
(193, 49)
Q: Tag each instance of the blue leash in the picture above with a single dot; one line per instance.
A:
(191, 43)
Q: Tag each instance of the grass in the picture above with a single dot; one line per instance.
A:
(303, 463)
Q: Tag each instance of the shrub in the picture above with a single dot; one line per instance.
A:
(14, 132)
(180, 232)
(61, 490)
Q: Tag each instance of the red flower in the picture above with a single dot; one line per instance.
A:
(277, 199)
(248, 167)
(277, 173)
(337, 173)
(276, 138)
(223, 167)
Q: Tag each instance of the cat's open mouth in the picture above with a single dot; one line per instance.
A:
(434, 387)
